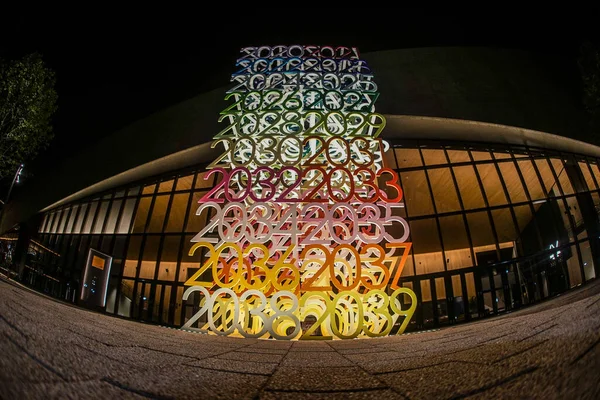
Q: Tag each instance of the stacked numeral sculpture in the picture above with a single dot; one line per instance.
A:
(304, 239)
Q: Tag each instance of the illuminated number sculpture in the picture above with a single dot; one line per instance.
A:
(300, 244)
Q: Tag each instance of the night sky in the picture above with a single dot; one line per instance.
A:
(112, 70)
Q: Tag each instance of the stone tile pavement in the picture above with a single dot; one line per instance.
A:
(54, 350)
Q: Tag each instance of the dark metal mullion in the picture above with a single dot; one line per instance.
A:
(62, 235)
(546, 193)
(68, 216)
(45, 224)
(585, 160)
(160, 249)
(465, 295)
(54, 215)
(467, 230)
(107, 214)
(143, 245)
(510, 204)
(437, 220)
(568, 211)
(125, 253)
(487, 205)
(175, 286)
(105, 234)
(433, 291)
(531, 208)
(95, 220)
(571, 218)
(75, 217)
(412, 256)
(112, 250)
(482, 270)
(201, 262)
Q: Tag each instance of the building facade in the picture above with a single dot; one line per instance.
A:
(501, 214)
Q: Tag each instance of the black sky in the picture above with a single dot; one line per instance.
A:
(113, 68)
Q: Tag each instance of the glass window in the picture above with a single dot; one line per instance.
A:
(168, 259)
(124, 305)
(389, 159)
(573, 266)
(56, 221)
(528, 229)
(119, 247)
(426, 246)
(166, 186)
(456, 286)
(471, 293)
(80, 218)
(547, 177)
(513, 182)
(52, 217)
(531, 179)
(139, 224)
(456, 243)
(87, 227)
(563, 178)
(576, 213)
(444, 191)
(72, 219)
(166, 303)
(408, 158)
(202, 183)
(491, 184)
(409, 265)
(133, 252)
(585, 170)
(158, 213)
(125, 222)
(595, 171)
(440, 289)
(133, 191)
(588, 260)
(195, 223)
(177, 213)
(505, 228)
(101, 216)
(416, 193)
(106, 244)
(63, 221)
(189, 262)
(178, 305)
(149, 189)
(149, 259)
(43, 223)
(501, 155)
(481, 155)
(479, 224)
(596, 200)
(113, 215)
(457, 156)
(434, 156)
(565, 226)
(425, 290)
(185, 182)
(470, 191)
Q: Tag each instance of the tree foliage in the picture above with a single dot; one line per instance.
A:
(589, 67)
(27, 103)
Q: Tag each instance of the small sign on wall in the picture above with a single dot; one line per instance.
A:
(95, 278)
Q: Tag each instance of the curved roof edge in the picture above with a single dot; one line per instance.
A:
(185, 158)
(435, 128)
(397, 127)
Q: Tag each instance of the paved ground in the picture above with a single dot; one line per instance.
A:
(52, 350)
